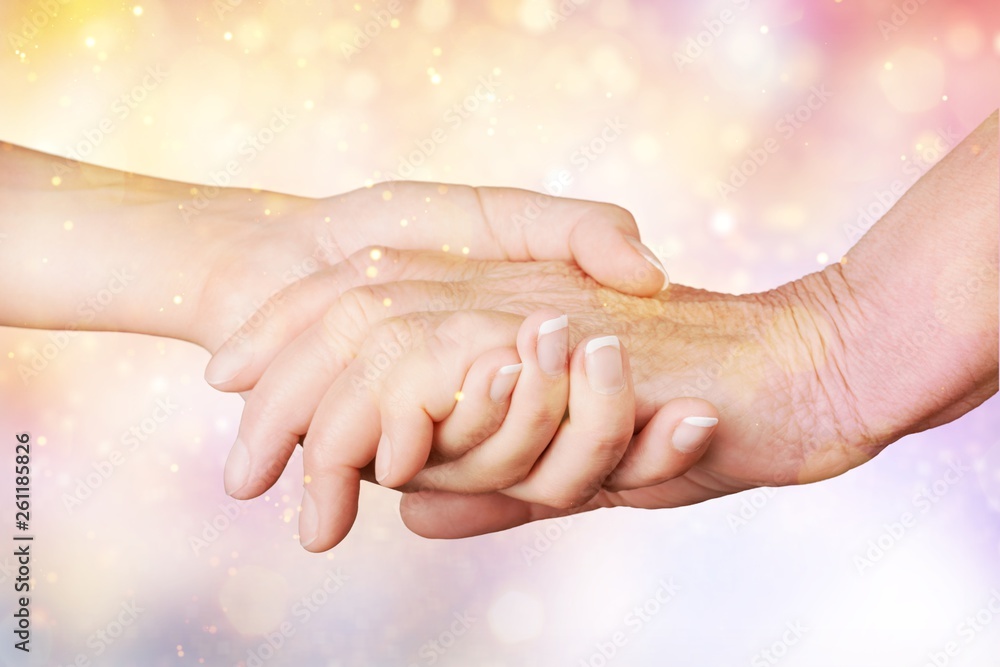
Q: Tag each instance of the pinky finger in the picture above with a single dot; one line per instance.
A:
(671, 443)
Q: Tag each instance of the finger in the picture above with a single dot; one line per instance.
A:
(348, 424)
(423, 388)
(481, 406)
(279, 409)
(591, 442)
(239, 363)
(670, 444)
(602, 239)
(539, 399)
(514, 224)
(444, 515)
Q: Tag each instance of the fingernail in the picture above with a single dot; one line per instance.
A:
(603, 361)
(648, 255)
(504, 382)
(308, 520)
(237, 469)
(553, 341)
(228, 362)
(383, 458)
(692, 433)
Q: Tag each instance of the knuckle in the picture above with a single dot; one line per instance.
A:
(349, 318)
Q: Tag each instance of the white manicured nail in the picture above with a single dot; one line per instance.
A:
(603, 363)
(504, 382)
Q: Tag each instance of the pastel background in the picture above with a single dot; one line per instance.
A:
(172, 572)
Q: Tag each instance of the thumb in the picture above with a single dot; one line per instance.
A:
(614, 257)
(601, 238)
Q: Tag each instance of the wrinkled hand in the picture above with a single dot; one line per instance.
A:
(768, 361)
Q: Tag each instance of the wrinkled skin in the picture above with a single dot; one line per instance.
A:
(769, 361)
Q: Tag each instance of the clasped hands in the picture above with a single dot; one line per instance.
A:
(501, 356)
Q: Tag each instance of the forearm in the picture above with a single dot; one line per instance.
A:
(84, 247)
(919, 297)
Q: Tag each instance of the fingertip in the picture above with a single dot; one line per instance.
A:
(228, 363)
(404, 447)
(328, 509)
(614, 256)
(671, 443)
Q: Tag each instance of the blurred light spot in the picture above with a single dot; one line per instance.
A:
(722, 223)
(386, 302)
(41, 440)
(90, 41)
(137, 10)
(536, 15)
(445, 248)
(68, 225)
(174, 467)
(228, 36)
(371, 272)
(964, 40)
(465, 250)
(822, 258)
(764, 30)
(375, 254)
(645, 148)
(404, 222)
(459, 396)
(56, 181)
(516, 617)
(360, 86)
(915, 82)
(178, 299)
(435, 14)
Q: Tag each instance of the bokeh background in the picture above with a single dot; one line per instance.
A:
(158, 567)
